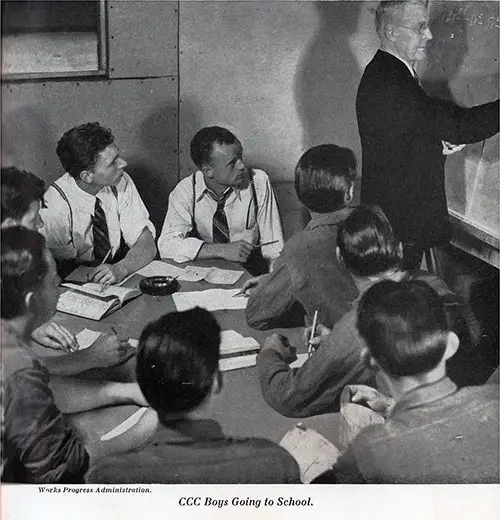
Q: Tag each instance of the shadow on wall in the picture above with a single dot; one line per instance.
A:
(327, 79)
(189, 124)
(35, 151)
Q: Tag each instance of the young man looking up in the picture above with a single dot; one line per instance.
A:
(224, 210)
(95, 215)
(178, 371)
(307, 276)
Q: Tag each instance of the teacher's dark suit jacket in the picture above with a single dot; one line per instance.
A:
(401, 129)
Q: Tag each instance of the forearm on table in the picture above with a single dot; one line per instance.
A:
(73, 395)
(69, 364)
(140, 254)
(211, 251)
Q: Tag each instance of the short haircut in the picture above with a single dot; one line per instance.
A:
(78, 147)
(19, 189)
(387, 10)
(323, 177)
(203, 142)
(24, 268)
(367, 243)
(177, 358)
(404, 326)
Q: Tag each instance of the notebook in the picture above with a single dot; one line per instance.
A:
(94, 300)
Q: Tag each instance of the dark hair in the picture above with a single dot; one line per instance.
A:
(24, 268)
(404, 325)
(177, 358)
(19, 189)
(78, 148)
(203, 142)
(367, 243)
(323, 177)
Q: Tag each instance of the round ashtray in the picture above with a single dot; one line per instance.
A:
(159, 285)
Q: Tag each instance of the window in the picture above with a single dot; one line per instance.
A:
(44, 39)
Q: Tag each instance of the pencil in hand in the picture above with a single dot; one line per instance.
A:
(313, 329)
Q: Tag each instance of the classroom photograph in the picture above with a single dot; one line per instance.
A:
(249, 242)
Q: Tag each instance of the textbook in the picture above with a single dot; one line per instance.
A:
(94, 300)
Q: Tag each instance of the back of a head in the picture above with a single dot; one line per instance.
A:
(404, 326)
(367, 243)
(323, 177)
(19, 189)
(390, 12)
(23, 268)
(202, 143)
(177, 358)
(78, 147)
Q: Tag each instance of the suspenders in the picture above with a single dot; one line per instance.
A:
(65, 198)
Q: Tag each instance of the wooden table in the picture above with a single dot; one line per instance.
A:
(239, 408)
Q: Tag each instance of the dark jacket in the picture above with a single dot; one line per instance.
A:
(401, 129)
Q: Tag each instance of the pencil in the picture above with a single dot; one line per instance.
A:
(315, 321)
(267, 243)
(106, 257)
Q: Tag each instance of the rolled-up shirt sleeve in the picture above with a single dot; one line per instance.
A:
(173, 242)
(37, 436)
(134, 216)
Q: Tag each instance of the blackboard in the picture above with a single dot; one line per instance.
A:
(463, 65)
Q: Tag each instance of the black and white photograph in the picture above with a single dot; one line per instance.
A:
(250, 259)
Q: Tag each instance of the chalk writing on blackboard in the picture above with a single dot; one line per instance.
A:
(465, 14)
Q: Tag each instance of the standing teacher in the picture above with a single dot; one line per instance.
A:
(406, 134)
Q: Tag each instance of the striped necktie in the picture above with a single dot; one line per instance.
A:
(220, 227)
(100, 232)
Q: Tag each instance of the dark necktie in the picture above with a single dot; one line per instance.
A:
(220, 228)
(100, 232)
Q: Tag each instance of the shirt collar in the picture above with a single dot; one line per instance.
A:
(328, 219)
(205, 190)
(425, 394)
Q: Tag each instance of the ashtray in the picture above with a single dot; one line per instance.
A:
(159, 285)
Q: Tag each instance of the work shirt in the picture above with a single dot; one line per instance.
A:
(38, 446)
(68, 227)
(197, 452)
(307, 277)
(434, 434)
(315, 388)
(176, 244)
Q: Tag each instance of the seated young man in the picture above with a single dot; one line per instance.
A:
(178, 371)
(22, 197)
(435, 433)
(38, 445)
(367, 246)
(224, 210)
(307, 276)
(95, 215)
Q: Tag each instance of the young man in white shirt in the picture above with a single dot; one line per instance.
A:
(224, 210)
(94, 213)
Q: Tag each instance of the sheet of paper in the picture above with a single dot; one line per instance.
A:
(86, 338)
(158, 268)
(193, 273)
(211, 299)
(313, 453)
(301, 359)
(233, 363)
(133, 342)
(125, 425)
(223, 276)
(232, 341)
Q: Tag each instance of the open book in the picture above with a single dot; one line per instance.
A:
(94, 300)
